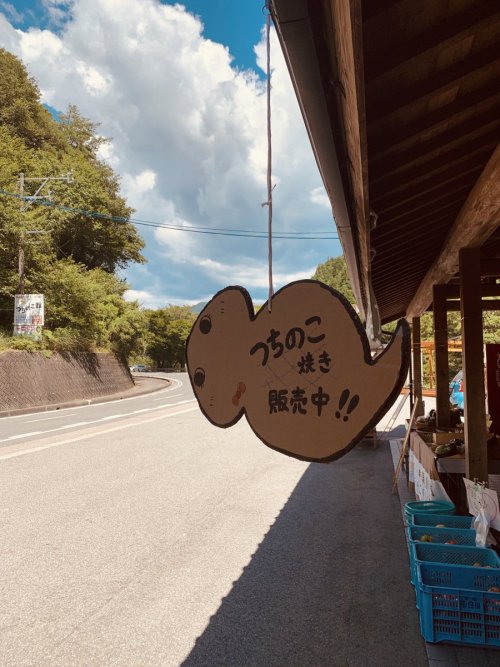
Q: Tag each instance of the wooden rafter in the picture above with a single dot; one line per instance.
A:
(486, 60)
(462, 106)
(478, 218)
(453, 31)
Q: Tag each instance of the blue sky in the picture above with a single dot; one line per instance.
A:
(181, 91)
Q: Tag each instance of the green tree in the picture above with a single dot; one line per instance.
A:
(74, 258)
(20, 110)
(333, 273)
(168, 331)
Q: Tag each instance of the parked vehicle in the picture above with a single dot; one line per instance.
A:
(138, 368)
(457, 391)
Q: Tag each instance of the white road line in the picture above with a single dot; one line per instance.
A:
(86, 436)
(162, 398)
(176, 384)
(46, 419)
(103, 419)
(23, 435)
(95, 421)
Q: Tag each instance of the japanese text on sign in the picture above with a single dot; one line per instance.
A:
(29, 309)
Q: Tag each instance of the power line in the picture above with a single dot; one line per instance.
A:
(216, 231)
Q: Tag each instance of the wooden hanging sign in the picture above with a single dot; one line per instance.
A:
(302, 374)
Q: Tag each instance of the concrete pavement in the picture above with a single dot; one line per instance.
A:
(173, 542)
(158, 539)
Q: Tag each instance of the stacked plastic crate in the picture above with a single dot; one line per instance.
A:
(457, 584)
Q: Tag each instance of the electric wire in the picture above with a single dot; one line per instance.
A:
(216, 231)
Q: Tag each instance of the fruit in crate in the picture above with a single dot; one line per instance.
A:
(451, 542)
(477, 565)
(493, 589)
(449, 449)
(440, 525)
(426, 538)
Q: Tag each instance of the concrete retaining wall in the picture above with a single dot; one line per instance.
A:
(31, 380)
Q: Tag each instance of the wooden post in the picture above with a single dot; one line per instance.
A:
(431, 368)
(417, 365)
(441, 348)
(476, 454)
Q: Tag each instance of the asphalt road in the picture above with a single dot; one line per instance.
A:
(29, 426)
(154, 538)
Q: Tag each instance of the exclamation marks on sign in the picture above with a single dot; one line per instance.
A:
(344, 397)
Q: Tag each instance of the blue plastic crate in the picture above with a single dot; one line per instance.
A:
(447, 520)
(451, 554)
(456, 606)
(461, 536)
(427, 507)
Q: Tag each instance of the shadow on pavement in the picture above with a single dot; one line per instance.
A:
(398, 432)
(329, 584)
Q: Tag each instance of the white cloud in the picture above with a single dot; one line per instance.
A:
(94, 81)
(251, 275)
(318, 196)
(138, 185)
(11, 12)
(180, 247)
(154, 300)
(57, 9)
(188, 137)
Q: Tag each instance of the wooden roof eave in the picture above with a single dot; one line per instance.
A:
(477, 220)
(337, 149)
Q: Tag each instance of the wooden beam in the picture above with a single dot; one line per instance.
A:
(442, 365)
(477, 220)
(491, 250)
(445, 34)
(490, 267)
(439, 213)
(453, 291)
(486, 305)
(396, 132)
(344, 40)
(382, 105)
(391, 178)
(417, 364)
(476, 451)
(455, 194)
(451, 181)
(436, 144)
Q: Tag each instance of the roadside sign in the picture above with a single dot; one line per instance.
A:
(478, 498)
(29, 315)
(33, 330)
(300, 370)
(29, 309)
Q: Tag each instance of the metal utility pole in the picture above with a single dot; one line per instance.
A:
(25, 203)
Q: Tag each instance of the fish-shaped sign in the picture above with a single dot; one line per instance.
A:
(302, 374)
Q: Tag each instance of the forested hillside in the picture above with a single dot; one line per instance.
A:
(70, 257)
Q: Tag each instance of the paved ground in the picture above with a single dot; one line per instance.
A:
(162, 540)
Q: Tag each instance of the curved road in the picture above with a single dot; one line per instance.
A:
(36, 425)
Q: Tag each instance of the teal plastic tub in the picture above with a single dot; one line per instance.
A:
(427, 507)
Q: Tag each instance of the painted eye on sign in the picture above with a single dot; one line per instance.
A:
(302, 374)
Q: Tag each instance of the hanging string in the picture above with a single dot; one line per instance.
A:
(269, 202)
